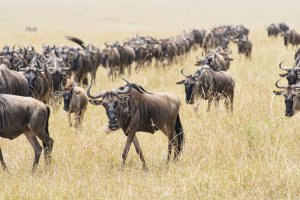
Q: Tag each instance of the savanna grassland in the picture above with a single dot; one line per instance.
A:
(251, 154)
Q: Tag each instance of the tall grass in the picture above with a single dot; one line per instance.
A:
(252, 154)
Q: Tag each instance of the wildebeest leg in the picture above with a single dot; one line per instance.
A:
(69, 119)
(37, 151)
(47, 144)
(138, 66)
(217, 102)
(164, 129)
(231, 102)
(127, 147)
(196, 104)
(109, 72)
(209, 105)
(77, 120)
(2, 161)
(139, 151)
(85, 79)
(129, 69)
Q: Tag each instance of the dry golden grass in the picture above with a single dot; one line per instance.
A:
(252, 154)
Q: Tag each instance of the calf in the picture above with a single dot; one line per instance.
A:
(75, 101)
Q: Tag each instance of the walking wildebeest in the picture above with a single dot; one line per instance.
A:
(134, 109)
(75, 101)
(210, 85)
(291, 96)
(93, 59)
(25, 115)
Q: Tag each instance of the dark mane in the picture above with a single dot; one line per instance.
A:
(137, 87)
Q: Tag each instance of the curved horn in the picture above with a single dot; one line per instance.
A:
(197, 57)
(124, 91)
(203, 53)
(183, 73)
(97, 96)
(285, 69)
(280, 87)
(128, 83)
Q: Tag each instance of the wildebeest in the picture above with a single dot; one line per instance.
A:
(75, 101)
(91, 61)
(25, 115)
(291, 37)
(12, 82)
(273, 30)
(111, 60)
(39, 80)
(291, 94)
(244, 46)
(213, 40)
(59, 73)
(127, 56)
(134, 109)
(209, 85)
(217, 59)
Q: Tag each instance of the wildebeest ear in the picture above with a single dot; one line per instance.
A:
(278, 92)
(283, 75)
(95, 102)
(180, 82)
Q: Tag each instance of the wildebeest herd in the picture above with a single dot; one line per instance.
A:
(33, 83)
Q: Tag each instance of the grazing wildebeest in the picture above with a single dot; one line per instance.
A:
(75, 101)
(209, 85)
(12, 82)
(134, 109)
(25, 115)
(291, 95)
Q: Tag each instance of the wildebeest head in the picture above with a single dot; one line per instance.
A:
(289, 93)
(291, 74)
(67, 95)
(33, 71)
(189, 84)
(115, 103)
(58, 71)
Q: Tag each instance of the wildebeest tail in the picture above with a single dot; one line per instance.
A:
(47, 122)
(179, 134)
(77, 41)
